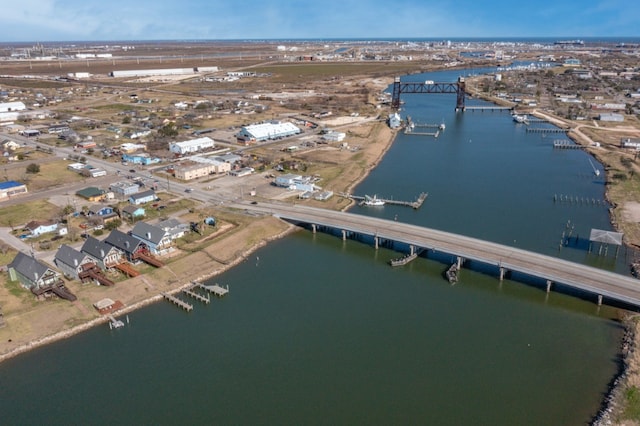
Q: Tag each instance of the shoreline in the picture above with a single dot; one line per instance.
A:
(70, 332)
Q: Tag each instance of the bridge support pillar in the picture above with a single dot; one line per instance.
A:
(412, 249)
(344, 235)
(313, 228)
(375, 241)
(599, 300)
(503, 271)
(459, 262)
(549, 282)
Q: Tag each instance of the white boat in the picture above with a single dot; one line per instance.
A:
(595, 170)
(442, 127)
(373, 201)
(519, 118)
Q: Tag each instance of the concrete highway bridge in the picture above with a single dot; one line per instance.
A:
(587, 279)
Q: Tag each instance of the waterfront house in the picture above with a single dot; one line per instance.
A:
(174, 228)
(130, 246)
(156, 239)
(143, 197)
(70, 261)
(37, 228)
(104, 255)
(32, 273)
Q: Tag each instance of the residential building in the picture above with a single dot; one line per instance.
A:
(31, 272)
(633, 143)
(69, 261)
(156, 239)
(106, 256)
(128, 245)
(143, 197)
(37, 228)
(131, 212)
(140, 158)
(174, 228)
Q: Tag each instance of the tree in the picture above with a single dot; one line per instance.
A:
(168, 130)
(33, 168)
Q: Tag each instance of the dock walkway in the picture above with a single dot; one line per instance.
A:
(216, 289)
(181, 303)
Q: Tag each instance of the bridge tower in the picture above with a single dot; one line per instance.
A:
(428, 87)
(460, 94)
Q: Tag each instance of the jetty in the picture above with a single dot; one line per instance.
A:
(181, 303)
(413, 204)
(115, 323)
(410, 128)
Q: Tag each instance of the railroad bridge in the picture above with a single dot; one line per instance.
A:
(586, 279)
(429, 87)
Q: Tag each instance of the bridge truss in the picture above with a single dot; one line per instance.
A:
(429, 87)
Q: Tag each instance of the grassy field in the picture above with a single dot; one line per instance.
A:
(21, 214)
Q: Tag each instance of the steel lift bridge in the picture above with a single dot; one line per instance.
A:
(429, 87)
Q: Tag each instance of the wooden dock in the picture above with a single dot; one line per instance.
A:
(562, 144)
(216, 289)
(413, 204)
(545, 130)
(197, 296)
(181, 303)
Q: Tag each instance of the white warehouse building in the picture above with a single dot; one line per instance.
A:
(190, 146)
(265, 131)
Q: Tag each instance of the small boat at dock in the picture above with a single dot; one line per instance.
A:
(372, 201)
(519, 118)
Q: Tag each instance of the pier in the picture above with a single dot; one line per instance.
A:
(546, 130)
(413, 204)
(216, 289)
(196, 296)
(181, 303)
(562, 144)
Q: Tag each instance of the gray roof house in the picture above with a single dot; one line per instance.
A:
(126, 243)
(143, 197)
(104, 255)
(157, 239)
(70, 261)
(31, 272)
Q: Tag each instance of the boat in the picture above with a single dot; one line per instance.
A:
(442, 126)
(595, 170)
(520, 118)
(373, 201)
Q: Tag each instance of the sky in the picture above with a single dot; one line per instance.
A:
(104, 20)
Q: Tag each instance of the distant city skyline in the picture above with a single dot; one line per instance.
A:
(93, 20)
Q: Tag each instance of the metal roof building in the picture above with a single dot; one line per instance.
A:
(269, 130)
(192, 145)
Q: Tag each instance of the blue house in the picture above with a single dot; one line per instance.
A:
(132, 212)
(100, 210)
(143, 197)
(143, 159)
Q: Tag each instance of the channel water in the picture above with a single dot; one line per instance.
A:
(320, 331)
